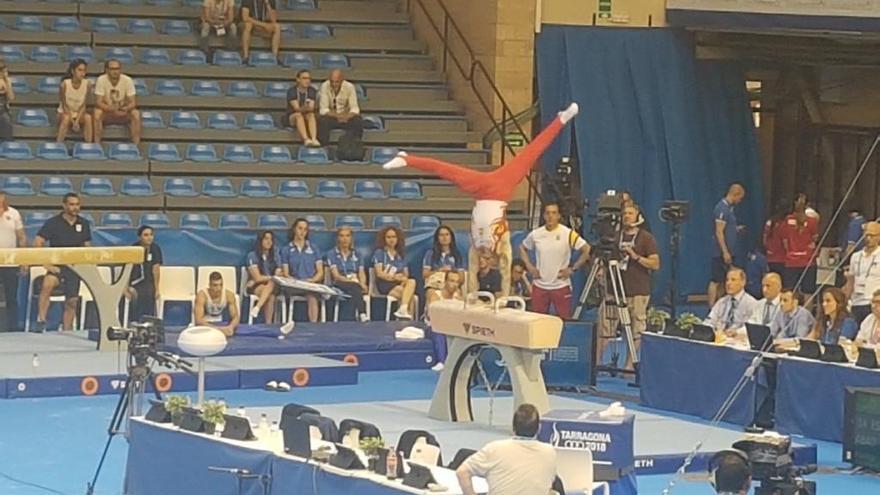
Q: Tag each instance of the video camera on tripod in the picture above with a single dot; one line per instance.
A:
(150, 332)
(563, 190)
(608, 223)
(772, 465)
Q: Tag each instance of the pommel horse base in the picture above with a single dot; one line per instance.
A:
(84, 261)
(520, 336)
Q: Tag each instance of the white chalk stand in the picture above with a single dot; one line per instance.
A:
(201, 342)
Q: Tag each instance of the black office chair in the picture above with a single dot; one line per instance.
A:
(294, 411)
(408, 439)
(328, 428)
(460, 457)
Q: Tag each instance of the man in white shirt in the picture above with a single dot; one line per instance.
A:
(768, 307)
(11, 236)
(869, 332)
(551, 275)
(218, 16)
(863, 275)
(730, 313)
(516, 466)
(116, 102)
(338, 108)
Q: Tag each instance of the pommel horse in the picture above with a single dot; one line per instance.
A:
(520, 336)
(84, 261)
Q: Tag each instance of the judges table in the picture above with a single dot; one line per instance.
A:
(163, 460)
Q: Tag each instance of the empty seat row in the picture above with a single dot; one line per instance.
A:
(291, 4)
(16, 150)
(178, 27)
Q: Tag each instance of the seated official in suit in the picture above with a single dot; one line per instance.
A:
(834, 320)
(869, 332)
(768, 307)
(793, 320)
(731, 312)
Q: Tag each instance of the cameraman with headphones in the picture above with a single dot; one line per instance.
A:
(730, 472)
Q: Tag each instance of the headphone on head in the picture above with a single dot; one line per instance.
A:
(715, 462)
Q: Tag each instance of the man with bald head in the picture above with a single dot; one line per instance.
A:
(338, 108)
(767, 307)
(863, 275)
(724, 238)
(731, 312)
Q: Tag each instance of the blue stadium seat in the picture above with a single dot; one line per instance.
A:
(424, 222)
(301, 4)
(152, 120)
(12, 53)
(234, 221)
(88, 218)
(83, 52)
(368, 189)
(163, 152)
(355, 222)
(140, 87)
(88, 151)
(312, 156)
(191, 57)
(380, 221)
(156, 220)
(137, 186)
(374, 122)
(316, 31)
(126, 152)
(276, 154)
(163, 3)
(170, 87)
(122, 54)
(316, 222)
(33, 117)
(242, 89)
(52, 151)
(361, 92)
(294, 188)
(14, 150)
(29, 23)
(218, 188)
(37, 218)
(180, 186)
(259, 122)
(56, 186)
(116, 220)
(287, 30)
(276, 89)
(20, 85)
(104, 25)
(406, 189)
(185, 120)
(256, 188)
(140, 26)
(193, 3)
(49, 85)
(46, 54)
(262, 59)
(226, 58)
(383, 154)
(223, 121)
(97, 186)
(176, 27)
(206, 88)
(271, 221)
(195, 221)
(17, 185)
(65, 24)
(202, 153)
(298, 61)
(156, 56)
(334, 61)
(239, 153)
(329, 188)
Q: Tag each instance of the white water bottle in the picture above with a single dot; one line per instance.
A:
(264, 425)
(35, 363)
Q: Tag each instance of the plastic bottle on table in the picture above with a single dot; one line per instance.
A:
(391, 465)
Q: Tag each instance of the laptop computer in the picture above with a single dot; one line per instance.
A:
(297, 439)
(157, 412)
(419, 476)
(237, 428)
(672, 330)
(759, 337)
(191, 420)
(809, 349)
(834, 353)
(702, 333)
(346, 458)
(867, 358)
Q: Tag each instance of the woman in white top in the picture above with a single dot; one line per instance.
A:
(72, 96)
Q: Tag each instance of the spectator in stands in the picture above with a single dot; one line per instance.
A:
(218, 17)
(72, 96)
(263, 263)
(338, 108)
(116, 102)
(442, 258)
(7, 96)
(259, 16)
(303, 262)
(799, 235)
(216, 306)
(142, 286)
(793, 321)
(551, 275)
(66, 229)
(730, 313)
(452, 283)
(519, 280)
(302, 105)
(768, 307)
(516, 466)
(724, 240)
(851, 240)
(772, 238)
(488, 276)
(12, 235)
(392, 272)
(869, 332)
(834, 320)
(347, 272)
(863, 275)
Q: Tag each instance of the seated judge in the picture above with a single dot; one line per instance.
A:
(216, 306)
(768, 307)
(793, 320)
(730, 313)
(834, 320)
(263, 263)
(869, 332)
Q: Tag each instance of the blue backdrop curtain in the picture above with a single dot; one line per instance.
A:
(657, 122)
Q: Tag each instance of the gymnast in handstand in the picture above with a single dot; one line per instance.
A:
(492, 191)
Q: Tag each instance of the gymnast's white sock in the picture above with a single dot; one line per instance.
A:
(397, 162)
(569, 113)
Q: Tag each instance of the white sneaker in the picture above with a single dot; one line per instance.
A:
(397, 162)
(287, 327)
(283, 387)
(569, 113)
(438, 367)
(402, 314)
(255, 311)
(363, 318)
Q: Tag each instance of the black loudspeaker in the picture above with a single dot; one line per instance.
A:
(191, 420)
(237, 428)
(703, 333)
(833, 353)
(158, 413)
(346, 458)
(418, 477)
(867, 358)
(809, 349)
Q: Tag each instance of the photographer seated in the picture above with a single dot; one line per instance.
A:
(730, 313)
(213, 304)
(730, 473)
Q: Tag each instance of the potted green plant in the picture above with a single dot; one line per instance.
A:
(656, 320)
(686, 321)
(371, 446)
(212, 415)
(174, 404)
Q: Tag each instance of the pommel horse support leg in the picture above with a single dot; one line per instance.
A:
(84, 261)
(520, 336)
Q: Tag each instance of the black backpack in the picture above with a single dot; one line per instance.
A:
(350, 148)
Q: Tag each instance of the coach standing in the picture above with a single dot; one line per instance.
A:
(142, 289)
(724, 238)
(11, 236)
